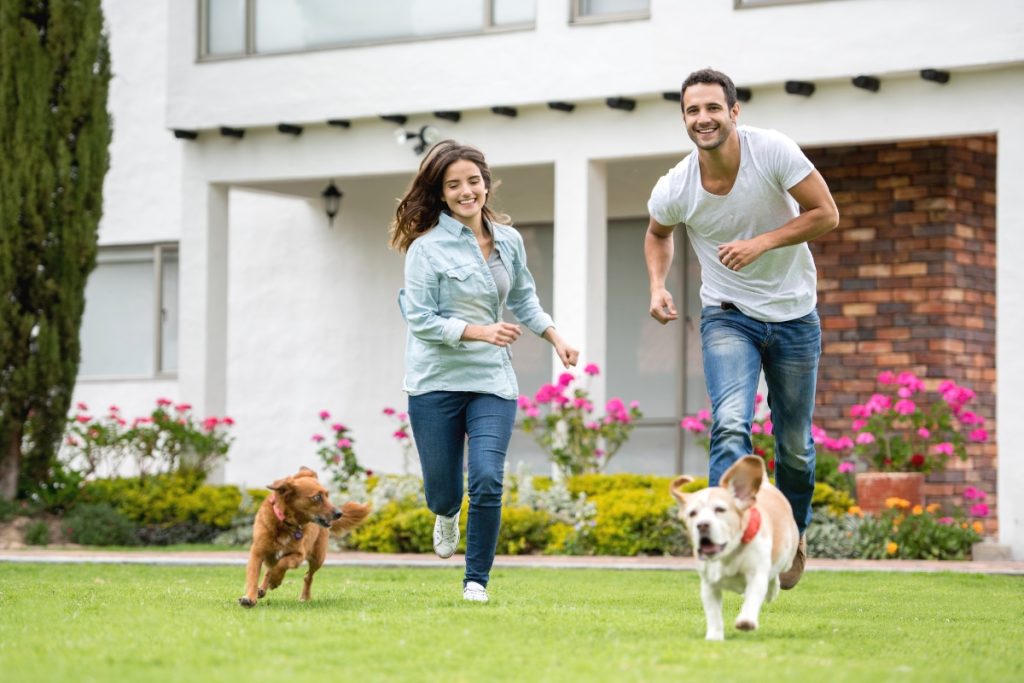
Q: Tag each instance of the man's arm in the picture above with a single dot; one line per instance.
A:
(819, 216)
(658, 251)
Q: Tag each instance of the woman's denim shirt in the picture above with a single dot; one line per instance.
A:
(448, 285)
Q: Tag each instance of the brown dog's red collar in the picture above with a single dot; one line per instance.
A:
(753, 524)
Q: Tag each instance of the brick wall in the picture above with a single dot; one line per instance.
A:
(907, 282)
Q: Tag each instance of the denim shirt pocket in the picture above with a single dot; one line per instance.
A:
(458, 284)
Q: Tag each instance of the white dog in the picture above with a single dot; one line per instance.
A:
(743, 536)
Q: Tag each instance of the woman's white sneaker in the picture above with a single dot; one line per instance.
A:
(474, 592)
(446, 535)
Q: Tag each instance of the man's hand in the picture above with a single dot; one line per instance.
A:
(662, 309)
(740, 253)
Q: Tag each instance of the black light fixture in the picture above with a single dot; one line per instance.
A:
(339, 123)
(398, 119)
(561, 106)
(511, 112)
(623, 103)
(935, 75)
(289, 129)
(804, 88)
(867, 83)
(185, 134)
(332, 201)
(452, 116)
(229, 132)
(744, 94)
(673, 96)
(425, 137)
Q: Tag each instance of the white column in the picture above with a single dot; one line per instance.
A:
(1009, 332)
(203, 262)
(580, 262)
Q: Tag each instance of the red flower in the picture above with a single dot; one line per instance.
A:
(917, 460)
(770, 465)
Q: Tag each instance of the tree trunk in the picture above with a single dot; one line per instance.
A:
(10, 465)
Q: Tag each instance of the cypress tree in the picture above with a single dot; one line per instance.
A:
(54, 137)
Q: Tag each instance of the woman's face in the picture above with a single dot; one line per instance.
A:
(464, 192)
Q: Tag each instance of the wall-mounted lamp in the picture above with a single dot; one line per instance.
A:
(452, 116)
(623, 103)
(426, 137)
(398, 119)
(511, 112)
(804, 88)
(935, 75)
(185, 134)
(744, 94)
(289, 129)
(332, 202)
(339, 123)
(229, 132)
(867, 83)
(673, 96)
(561, 106)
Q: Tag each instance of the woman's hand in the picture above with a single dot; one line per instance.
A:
(566, 353)
(499, 334)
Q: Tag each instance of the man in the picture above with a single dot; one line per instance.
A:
(740, 197)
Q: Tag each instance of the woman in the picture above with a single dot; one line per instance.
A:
(462, 266)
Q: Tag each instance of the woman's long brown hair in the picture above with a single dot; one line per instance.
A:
(420, 208)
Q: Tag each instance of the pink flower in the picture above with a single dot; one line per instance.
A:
(818, 434)
(591, 369)
(857, 410)
(614, 405)
(162, 402)
(968, 418)
(756, 428)
(400, 434)
(905, 407)
(547, 393)
(388, 411)
(758, 399)
(634, 405)
(580, 403)
(183, 407)
(979, 510)
(565, 379)
(210, 423)
(858, 424)
(532, 412)
(865, 438)
(83, 418)
(524, 402)
(972, 493)
(598, 452)
(767, 426)
(561, 400)
(945, 520)
(403, 416)
(324, 415)
(112, 409)
(886, 377)
(843, 443)
(691, 424)
(845, 467)
(704, 415)
(81, 406)
(910, 381)
(228, 421)
(344, 443)
(945, 448)
(904, 392)
(978, 435)
(318, 438)
(923, 433)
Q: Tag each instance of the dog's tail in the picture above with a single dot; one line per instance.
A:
(352, 515)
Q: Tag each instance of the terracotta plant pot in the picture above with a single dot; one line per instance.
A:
(874, 488)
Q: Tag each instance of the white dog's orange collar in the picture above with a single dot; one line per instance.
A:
(753, 524)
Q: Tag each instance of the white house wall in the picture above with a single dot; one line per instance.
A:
(283, 316)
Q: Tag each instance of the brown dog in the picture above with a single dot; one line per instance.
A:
(743, 536)
(291, 526)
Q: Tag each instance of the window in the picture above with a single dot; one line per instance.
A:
(741, 4)
(130, 325)
(243, 27)
(609, 10)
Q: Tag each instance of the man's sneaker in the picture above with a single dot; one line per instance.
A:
(474, 592)
(446, 535)
(791, 576)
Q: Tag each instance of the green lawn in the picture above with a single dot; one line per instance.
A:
(147, 623)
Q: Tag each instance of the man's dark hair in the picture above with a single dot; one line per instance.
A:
(710, 77)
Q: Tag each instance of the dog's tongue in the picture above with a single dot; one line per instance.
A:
(709, 548)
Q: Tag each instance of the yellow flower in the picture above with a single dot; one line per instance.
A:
(917, 510)
(933, 508)
(891, 547)
(977, 526)
(855, 510)
(897, 503)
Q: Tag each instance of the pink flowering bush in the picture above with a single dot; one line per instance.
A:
(334, 447)
(561, 418)
(169, 439)
(762, 436)
(905, 428)
(403, 435)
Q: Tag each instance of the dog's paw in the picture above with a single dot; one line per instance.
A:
(246, 602)
(746, 625)
(260, 593)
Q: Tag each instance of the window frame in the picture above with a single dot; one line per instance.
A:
(577, 17)
(758, 4)
(202, 29)
(159, 252)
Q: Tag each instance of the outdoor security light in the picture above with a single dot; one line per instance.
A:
(426, 137)
(332, 202)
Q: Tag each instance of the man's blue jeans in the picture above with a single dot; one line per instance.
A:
(735, 349)
(441, 421)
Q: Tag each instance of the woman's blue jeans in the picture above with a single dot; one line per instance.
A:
(736, 348)
(441, 421)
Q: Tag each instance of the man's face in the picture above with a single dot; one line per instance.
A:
(709, 120)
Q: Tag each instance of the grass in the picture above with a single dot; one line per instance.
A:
(81, 622)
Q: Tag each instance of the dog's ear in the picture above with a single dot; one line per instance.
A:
(676, 488)
(281, 485)
(744, 479)
(306, 472)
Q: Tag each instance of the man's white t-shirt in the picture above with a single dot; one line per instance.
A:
(782, 283)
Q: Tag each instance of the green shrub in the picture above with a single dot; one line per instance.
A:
(37, 533)
(166, 500)
(398, 527)
(916, 534)
(836, 501)
(638, 521)
(9, 509)
(524, 531)
(597, 484)
(832, 536)
(99, 524)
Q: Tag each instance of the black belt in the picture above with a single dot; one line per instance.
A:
(728, 306)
